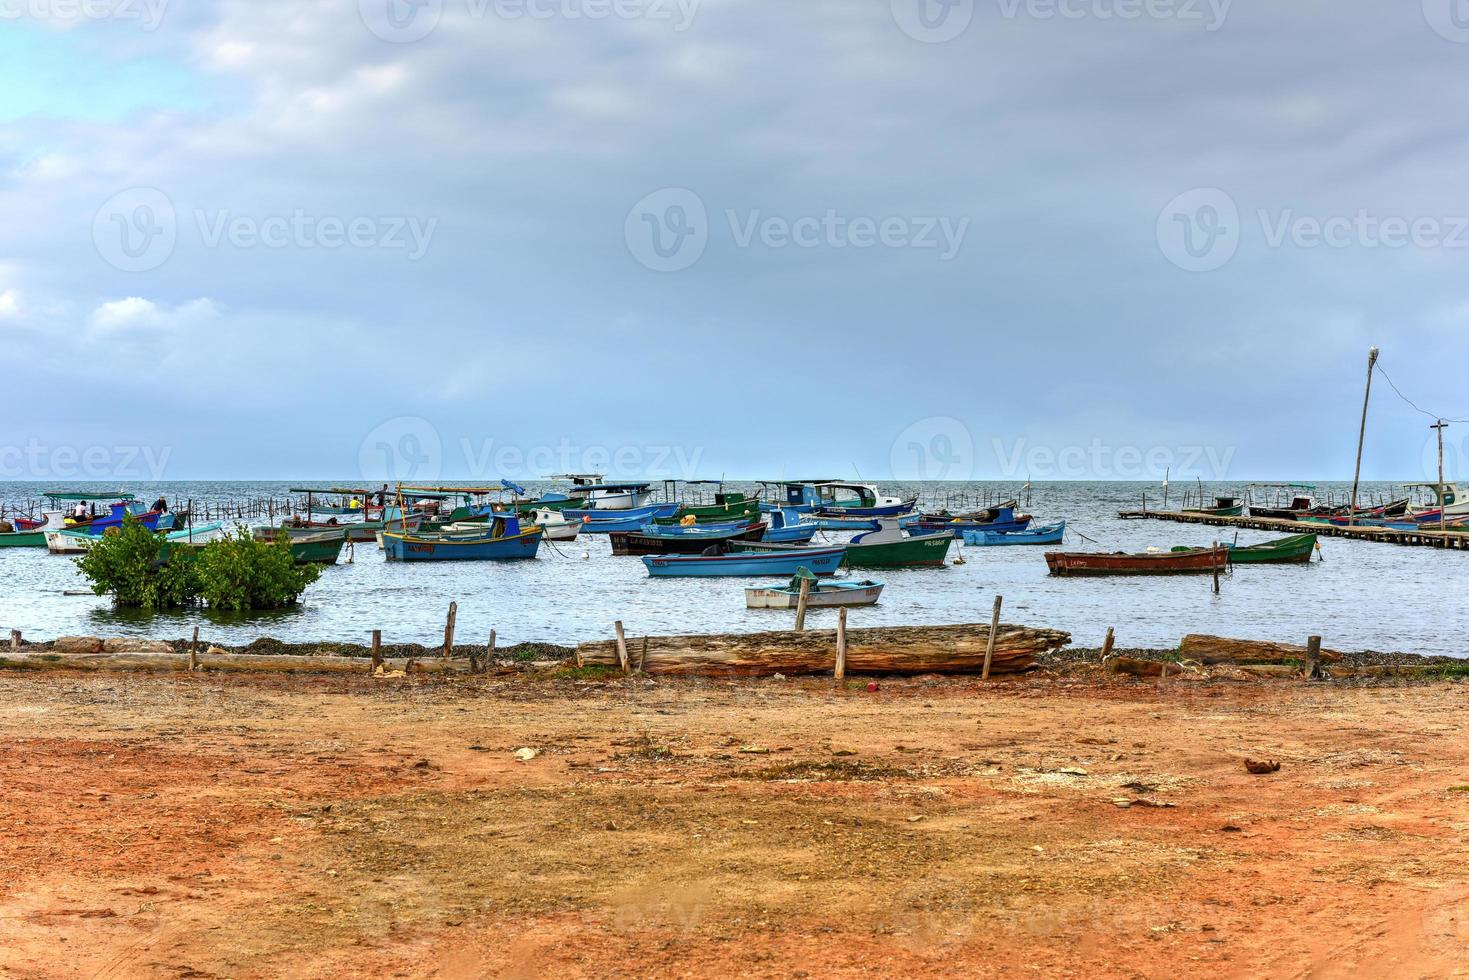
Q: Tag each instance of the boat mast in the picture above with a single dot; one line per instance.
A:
(1361, 437)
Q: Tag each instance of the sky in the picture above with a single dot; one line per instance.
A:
(948, 239)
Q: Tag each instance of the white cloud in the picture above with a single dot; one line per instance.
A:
(143, 315)
(9, 304)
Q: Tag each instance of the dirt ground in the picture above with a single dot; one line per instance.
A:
(189, 826)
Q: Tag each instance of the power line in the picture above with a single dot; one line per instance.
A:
(1436, 417)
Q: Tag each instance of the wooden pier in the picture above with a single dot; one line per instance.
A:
(1427, 537)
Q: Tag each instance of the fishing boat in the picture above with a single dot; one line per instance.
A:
(1295, 549)
(785, 530)
(355, 530)
(502, 539)
(1188, 561)
(608, 496)
(1302, 503)
(1001, 517)
(726, 507)
(821, 594)
(33, 535)
(859, 500)
(558, 527)
(1448, 499)
(605, 522)
(313, 548)
(746, 564)
(893, 547)
(1223, 507)
(655, 539)
(1047, 534)
(79, 542)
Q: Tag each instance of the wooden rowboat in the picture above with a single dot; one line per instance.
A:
(652, 540)
(504, 539)
(1049, 534)
(823, 594)
(1190, 561)
(1295, 549)
(893, 547)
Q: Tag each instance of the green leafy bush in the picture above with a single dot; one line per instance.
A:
(139, 569)
(132, 563)
(238, 573)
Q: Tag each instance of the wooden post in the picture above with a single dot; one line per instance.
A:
(801, 605)
(1313, 657)
(989, 650)
(377, 650)
(449, 629)
(1107, 644)
(622, 660)
(1442, 510)
(14, 640)
(194, 650)
(489, 652)
(1361, 438)
(1214, 560)
(841, 668)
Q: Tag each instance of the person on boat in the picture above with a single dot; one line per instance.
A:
(354, 504)
(79, 512)
(160, 506)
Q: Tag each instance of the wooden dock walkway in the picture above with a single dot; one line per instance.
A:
(1424, 538)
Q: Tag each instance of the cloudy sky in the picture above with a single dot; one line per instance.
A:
(943, 238)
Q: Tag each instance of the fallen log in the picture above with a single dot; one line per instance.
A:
(1223, 650)
(874, 650)
(1134, 667)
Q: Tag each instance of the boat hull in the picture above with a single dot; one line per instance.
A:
(1052, 534)
(411, 547)
(1293, 550)
(1195, 561)
(919, 551)
(742, 564)
(644, 543)
(823, 595)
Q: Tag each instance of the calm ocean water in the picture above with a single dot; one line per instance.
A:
(1362, 596)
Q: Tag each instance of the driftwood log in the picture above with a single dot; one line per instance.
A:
(1223, 650)
(225, 663)
(874, 650)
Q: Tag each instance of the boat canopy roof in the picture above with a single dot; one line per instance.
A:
(342, 490)
(87, 495)
(621, 486)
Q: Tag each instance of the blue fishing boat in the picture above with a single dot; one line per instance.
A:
(1002, 518)
(1049, 534)
(784, 530)
(598, 521)
(503, 539)
(746, 564)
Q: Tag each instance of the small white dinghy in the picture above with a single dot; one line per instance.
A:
(558, 528)
(824, 594)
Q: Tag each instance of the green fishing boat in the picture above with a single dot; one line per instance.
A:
(1223, 507)
(726, 507)
(1295, 549)
(31, 537)
(316, 548)
(892, 547)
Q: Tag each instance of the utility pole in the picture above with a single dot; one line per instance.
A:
(1440, 426)
(1362, 437)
